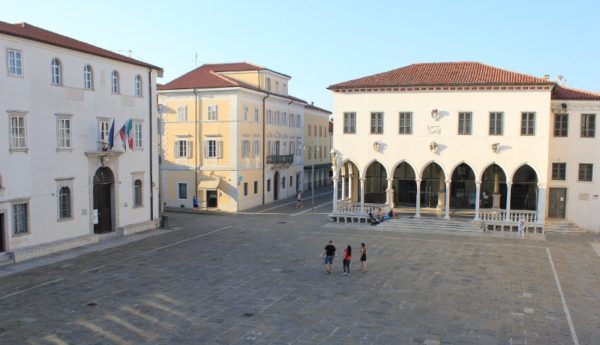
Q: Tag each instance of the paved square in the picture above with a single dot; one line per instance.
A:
(258, 279)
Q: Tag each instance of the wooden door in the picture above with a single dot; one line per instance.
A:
(557, 203)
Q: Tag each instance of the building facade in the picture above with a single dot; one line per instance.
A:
(61, 185)
(232, 138)
(467, 139)
(317, 147)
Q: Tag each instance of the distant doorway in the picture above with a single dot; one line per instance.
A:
(212, 199)
(276, 186)
(103, 196)
(297, 183)
(2, 232)
(558, 203)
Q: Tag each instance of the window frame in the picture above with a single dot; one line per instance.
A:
(349, 122)
(561, 125)
(256, 117)
(559, 171)
(138, 134)
(64, 134)
(139, 86)
(528, 123)
(138, 193)
(65, 203)
(245, 188)
(465, 123)
(14, 215)
(182, 113)
(19, 117)
(255, 187)
(179, 190)
(496, 124)
(56, 72)
(9, 60)
(405, 117)
(583, 172)
(115, 83)
(213, 149)
(88, 77)
(212, 113)
(377, 118)
(183, 146)
(588, 126)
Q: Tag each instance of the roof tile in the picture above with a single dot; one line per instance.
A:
(570, 94)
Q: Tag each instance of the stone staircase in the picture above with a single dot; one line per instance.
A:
(5, 259)
(563, 226)
(431, 223)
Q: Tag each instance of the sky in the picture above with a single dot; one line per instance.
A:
(323, 42)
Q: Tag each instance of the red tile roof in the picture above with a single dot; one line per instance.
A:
(443, 74)
(568, 94)
(30, 32)
(208, 77)
(311, 106)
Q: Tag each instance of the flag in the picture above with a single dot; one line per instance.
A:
(123, 135)
(130, 134)
(111, 135)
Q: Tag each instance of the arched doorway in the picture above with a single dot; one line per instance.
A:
(462, 188)
(493, 188)
(405, 186)
(524, 189)
(375, 183)
(276, 186)
(433, 186)
(103, 200)
(350, 182)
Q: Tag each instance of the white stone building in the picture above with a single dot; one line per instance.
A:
(467, 139)
(60, 184)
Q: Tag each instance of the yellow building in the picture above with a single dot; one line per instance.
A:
(231, 138)
(317, 141)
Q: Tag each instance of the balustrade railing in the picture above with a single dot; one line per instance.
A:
(350, 208)
(513, 217)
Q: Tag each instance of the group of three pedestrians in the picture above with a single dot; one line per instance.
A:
(329, 254)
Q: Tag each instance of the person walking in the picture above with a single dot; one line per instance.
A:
(328, 255)
(299, 200)
(521, 227)
(363, 257)
(347, 258)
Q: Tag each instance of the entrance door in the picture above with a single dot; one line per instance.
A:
(297, 182)
(2, 244)
(276, 186)
(211, 198)
(103, 189)
(558, 202)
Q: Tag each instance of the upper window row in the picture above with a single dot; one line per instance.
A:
(587, 127)
(15, 68)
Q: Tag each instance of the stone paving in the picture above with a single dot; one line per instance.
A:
(258, 279)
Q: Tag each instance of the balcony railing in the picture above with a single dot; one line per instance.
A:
(280, 159)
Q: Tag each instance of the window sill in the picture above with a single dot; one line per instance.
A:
(59, 85)
(19, 149)
(62, 220)
(64, 149)
(138, 206)
(586, 182)
(22, 234)
(20, 76)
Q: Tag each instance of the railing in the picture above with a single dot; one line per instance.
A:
(514, 216)
(280, 159)
(350, 208)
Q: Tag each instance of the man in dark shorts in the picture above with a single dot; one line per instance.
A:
(328, 255)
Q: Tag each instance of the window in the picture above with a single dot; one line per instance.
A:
(137, 135)
(291, 120)
(309, 152)
(268, 82)
(283, 182)
(559, 171)
(292, 147)
(18, 134)
(298, 121)
(320, 132)
(268, 185)
(585, 172)
(284, 119)
(406, 123)
(291, 181)
(527, 123)
(15, 62)
(20, 218)
(246, 113)
(349, 123)
(464, 123)
(137, 193)
(88, 77)
(182, 190)
(285, 88)
(182, 113)
(269, 117)
(256, 148)
(64, 133)
(561, 125)
(213, 149)
(588, 125)
(269, 147)
(213, 113)
(115, 88)
(245, 188)
(255, 187)
(309, 130)
(138, 85)
(183, 149)
(276, 87)
(64, 203)
(103, 130)
(245, 148)
(256, 114)
(496, 127)
(276, 118)
(56, 72)
(376, 123)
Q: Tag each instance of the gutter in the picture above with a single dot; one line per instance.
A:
(264, 146)
(197, 144)
(150, 124)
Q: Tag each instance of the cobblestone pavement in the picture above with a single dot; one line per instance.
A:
(258, 279)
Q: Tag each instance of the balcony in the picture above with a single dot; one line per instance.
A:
(280, 159)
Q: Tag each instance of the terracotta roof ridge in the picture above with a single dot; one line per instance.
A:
(595, 93)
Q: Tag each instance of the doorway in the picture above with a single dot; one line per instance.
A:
(297, 183)
(212, 199)
(558, 203)
(103, 197)
(2, 241)
(276, 186)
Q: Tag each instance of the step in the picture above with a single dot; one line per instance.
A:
(5, 259)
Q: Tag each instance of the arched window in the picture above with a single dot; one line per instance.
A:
(137, 193)
(88, 77)
(64, 203)
(115, 82)
(56, 72)
(138, 85)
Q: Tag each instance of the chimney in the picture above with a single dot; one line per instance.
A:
(312, 103)
(547, 76)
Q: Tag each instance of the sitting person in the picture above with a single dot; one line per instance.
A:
(390, 215)
(372, 219)
(380, 215)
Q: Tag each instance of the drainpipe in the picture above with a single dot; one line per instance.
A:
(150, 120)
(197, 144)
(264, 146)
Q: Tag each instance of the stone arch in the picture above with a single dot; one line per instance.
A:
(512, 175)
(489, 165)
(350, 183)
(493, 190)
(345, 162)
(467, 164)
(433, 185)
(524, 188)
(404, 184)
(366, 167)
(375, 176)
(427, 164)
(462, 187)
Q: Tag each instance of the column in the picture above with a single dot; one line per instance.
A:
(541, 203)
(362, 195)
(441, 193)
(343, 188)
(418, 203)
(508, 192)
(477, 191)
(350, 187)
(447, 216)
(389, 193)
(496, 194)
(335, 193)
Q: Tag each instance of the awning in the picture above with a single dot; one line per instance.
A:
(211, 184)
